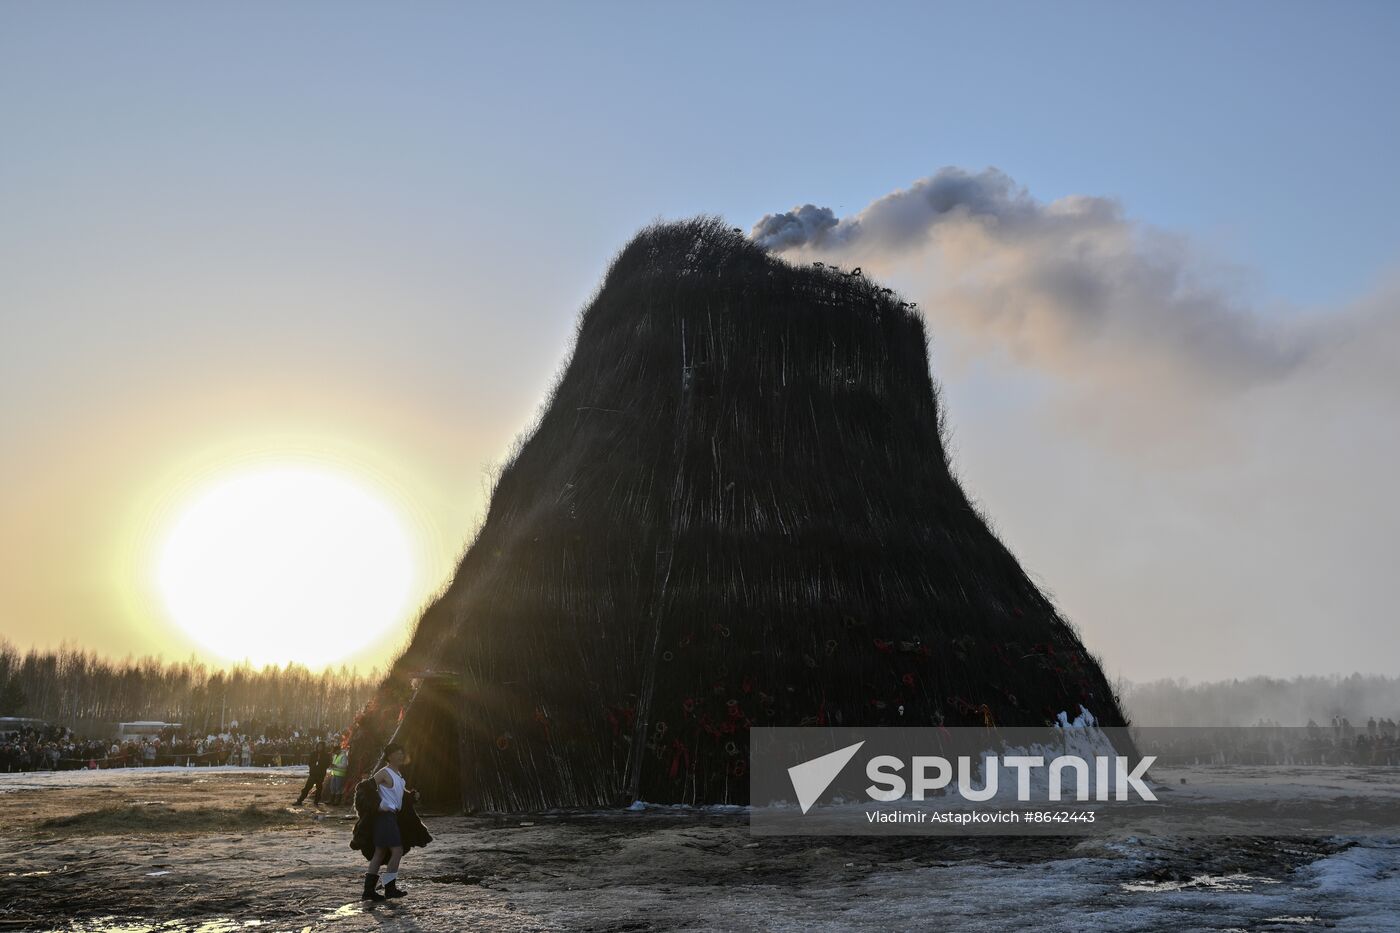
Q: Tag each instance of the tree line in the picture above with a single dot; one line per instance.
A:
(76, 688)
(79, 689)
(1291, 701)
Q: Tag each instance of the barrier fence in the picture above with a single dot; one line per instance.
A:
(181, 759)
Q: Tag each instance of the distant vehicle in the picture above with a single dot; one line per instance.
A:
(128, 730)
(9, 725)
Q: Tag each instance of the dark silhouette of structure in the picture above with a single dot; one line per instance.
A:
(735, 510)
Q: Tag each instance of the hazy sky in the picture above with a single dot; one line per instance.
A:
(362, 233)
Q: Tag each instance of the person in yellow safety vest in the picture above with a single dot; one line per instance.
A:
(339, 763)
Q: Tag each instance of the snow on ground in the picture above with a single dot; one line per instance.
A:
(123, 777)
(655, 869)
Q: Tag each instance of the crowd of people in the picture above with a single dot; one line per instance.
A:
(46, 748)
(55, 748)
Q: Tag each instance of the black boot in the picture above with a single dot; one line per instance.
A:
(392, 889)
(371, 882)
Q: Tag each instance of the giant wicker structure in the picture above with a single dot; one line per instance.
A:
(736, 509)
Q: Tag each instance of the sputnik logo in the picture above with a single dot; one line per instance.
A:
(811, 778)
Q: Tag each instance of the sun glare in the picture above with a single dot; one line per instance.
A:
(285, 564)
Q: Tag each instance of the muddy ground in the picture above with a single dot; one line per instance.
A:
(222, 849)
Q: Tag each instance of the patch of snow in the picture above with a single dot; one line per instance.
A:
(115, 777)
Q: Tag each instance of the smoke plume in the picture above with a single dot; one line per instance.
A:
(1067, 285)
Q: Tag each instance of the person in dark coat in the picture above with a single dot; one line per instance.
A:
(387, 824)
(320, 761)
(411, 828)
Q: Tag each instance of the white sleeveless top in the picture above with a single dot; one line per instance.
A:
(391, 797)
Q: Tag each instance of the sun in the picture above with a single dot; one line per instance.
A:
(287, 563)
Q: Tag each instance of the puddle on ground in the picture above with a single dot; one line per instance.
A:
(213, 925)
(455, 879)
(116, 925)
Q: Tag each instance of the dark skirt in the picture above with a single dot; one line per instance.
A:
(386, 831)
